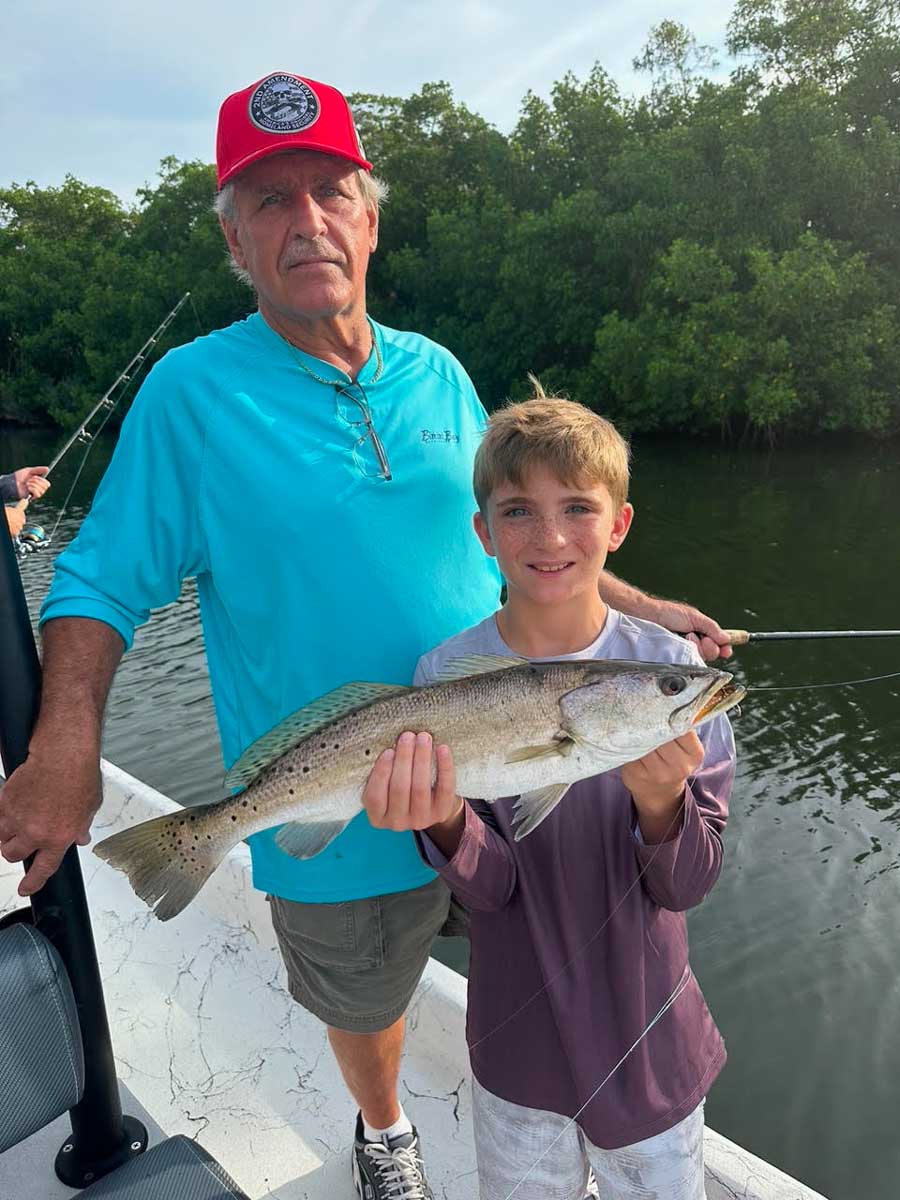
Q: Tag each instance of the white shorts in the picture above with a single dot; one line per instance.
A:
(509, 1139)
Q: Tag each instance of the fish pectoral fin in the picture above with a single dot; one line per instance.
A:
(562, 745)
(304, 839)
(287, 733)
(532, 807)
(478, 664)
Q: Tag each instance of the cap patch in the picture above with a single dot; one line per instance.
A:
(283, 104)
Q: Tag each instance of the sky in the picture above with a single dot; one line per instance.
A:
(104, 89)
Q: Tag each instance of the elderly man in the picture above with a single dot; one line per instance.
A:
(25, 484)
(361, 438)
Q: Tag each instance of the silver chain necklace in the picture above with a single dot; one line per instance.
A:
(379, 362)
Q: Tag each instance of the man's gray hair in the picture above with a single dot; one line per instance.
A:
(374, 192)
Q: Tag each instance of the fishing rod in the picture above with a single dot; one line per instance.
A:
(740, 637)
(34, 537)
(81, 434)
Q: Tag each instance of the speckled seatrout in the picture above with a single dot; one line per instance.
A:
(516, 728)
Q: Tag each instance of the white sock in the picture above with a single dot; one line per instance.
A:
(401, 1125)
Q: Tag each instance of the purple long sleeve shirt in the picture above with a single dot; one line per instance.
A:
(578, 931)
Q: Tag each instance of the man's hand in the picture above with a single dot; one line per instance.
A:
(706, 634)
(15, 519)
(657, 782)
(399, 794)
(709, 638)
(45, 807)
(31, 482)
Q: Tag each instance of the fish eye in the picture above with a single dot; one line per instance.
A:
(671, 685)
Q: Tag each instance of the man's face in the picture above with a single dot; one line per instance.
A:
(304, 234)
(550, 538)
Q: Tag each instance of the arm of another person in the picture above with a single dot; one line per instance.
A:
(705, 633)
(140, 540)
(15, 519)
(24, 484)
(680, 794)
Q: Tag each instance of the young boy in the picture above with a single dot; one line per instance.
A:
(581, 1000)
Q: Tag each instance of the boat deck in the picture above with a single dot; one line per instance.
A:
(209, 1043)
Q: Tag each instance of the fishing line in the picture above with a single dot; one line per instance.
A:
(682, 984)
(196, 314)
(128, 377)
(587, 945)
(801, 687)
(667, 1004)
(90, 446)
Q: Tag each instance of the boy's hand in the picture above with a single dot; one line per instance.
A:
(656, 783)
(399, 794)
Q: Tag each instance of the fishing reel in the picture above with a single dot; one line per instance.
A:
(31, 539)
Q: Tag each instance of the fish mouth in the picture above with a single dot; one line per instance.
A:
(721, 695)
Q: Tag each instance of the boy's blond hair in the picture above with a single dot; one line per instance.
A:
(572, 442)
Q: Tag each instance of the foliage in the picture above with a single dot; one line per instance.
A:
(720, 256)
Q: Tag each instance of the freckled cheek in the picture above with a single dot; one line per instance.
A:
(512, 542)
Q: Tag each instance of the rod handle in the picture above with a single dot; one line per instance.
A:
(737, 637)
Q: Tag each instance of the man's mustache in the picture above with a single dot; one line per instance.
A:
(306, 252)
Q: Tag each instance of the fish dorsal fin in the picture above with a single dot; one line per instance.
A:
(304, 721)
(478, 664)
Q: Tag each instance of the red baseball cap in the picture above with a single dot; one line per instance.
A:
(284, 112)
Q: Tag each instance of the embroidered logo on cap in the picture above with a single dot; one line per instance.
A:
(283, 104)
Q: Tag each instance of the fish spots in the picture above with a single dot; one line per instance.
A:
(368, 752)
(306, 770)
(290, 791)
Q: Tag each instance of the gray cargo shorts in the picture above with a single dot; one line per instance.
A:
(356, 964)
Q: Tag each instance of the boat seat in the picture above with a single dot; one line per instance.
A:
(41, 1060)
(176, 1169)
(42, 1075)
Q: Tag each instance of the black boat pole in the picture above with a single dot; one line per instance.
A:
(102, 1138)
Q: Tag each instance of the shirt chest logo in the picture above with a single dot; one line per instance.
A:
(445, 436)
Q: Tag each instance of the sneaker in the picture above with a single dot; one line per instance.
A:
(389, 1171)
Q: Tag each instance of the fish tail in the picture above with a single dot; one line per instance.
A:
(168, 859)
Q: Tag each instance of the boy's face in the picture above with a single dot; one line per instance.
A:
(551, 538)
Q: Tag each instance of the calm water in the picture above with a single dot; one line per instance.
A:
(797, 947)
